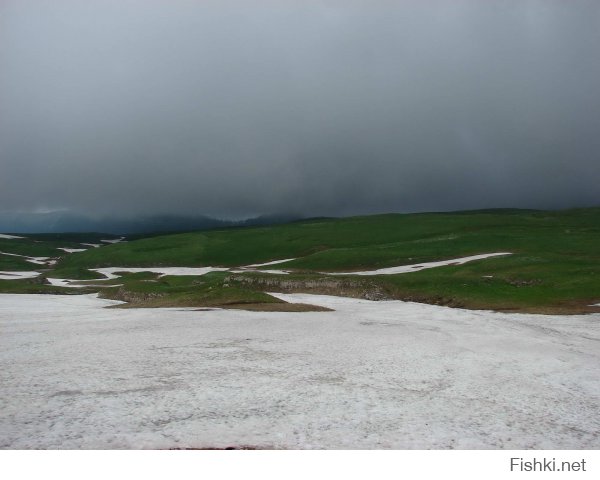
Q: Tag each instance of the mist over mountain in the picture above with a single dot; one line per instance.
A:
(58, 222)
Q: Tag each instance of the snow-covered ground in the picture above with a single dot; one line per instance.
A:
(72, 250)
(110, 272)
(256, 266)
(36, 260)
(274, 262)
(421, 266)
(114, 240)
(18, 275)
(60, 282)
(273, 272)
(9, 237)
(367, 375)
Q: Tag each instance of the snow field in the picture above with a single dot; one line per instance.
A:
(367, 375)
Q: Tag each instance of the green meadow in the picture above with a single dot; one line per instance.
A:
(554, 266)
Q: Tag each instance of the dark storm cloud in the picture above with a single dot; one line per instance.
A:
(316, 107)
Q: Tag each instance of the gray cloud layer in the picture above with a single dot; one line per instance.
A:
(235, 108)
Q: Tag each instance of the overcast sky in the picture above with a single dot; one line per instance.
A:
(236, 108)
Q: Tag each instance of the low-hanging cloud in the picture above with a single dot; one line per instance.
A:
(234, 108)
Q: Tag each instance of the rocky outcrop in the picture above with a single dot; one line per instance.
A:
(131, 297)
(323, 286)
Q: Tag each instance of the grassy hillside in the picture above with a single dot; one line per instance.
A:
(41, 245)
(555, 266)
(362, 242)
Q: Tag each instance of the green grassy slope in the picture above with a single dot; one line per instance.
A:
(10, 264)
(555, 266)
(363, 242)
(41, 245)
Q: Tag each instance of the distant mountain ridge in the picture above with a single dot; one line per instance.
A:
(59, 222)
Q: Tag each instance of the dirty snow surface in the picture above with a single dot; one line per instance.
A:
(367, 375)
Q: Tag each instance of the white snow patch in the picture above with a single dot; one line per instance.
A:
(95, 245)
(420, 266)
(36, 260)
(369, 375)
(18, 275)
(63, 282)
(274, 272)
(249, 270)
(9, 237)
(72, 250)
(254, 267)
(39, 260)
(274, 262)
(114, 240)
(109, 272)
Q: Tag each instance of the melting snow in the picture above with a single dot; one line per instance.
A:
(367, 375)
(274, 262)
(114, 240)
(9, 237)
(63, 282)
(36, 260)
(274, 272)
(420, 266)
(254, 267)
(247, 270)
(18, 275)
(72, 250)
(109, 272)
